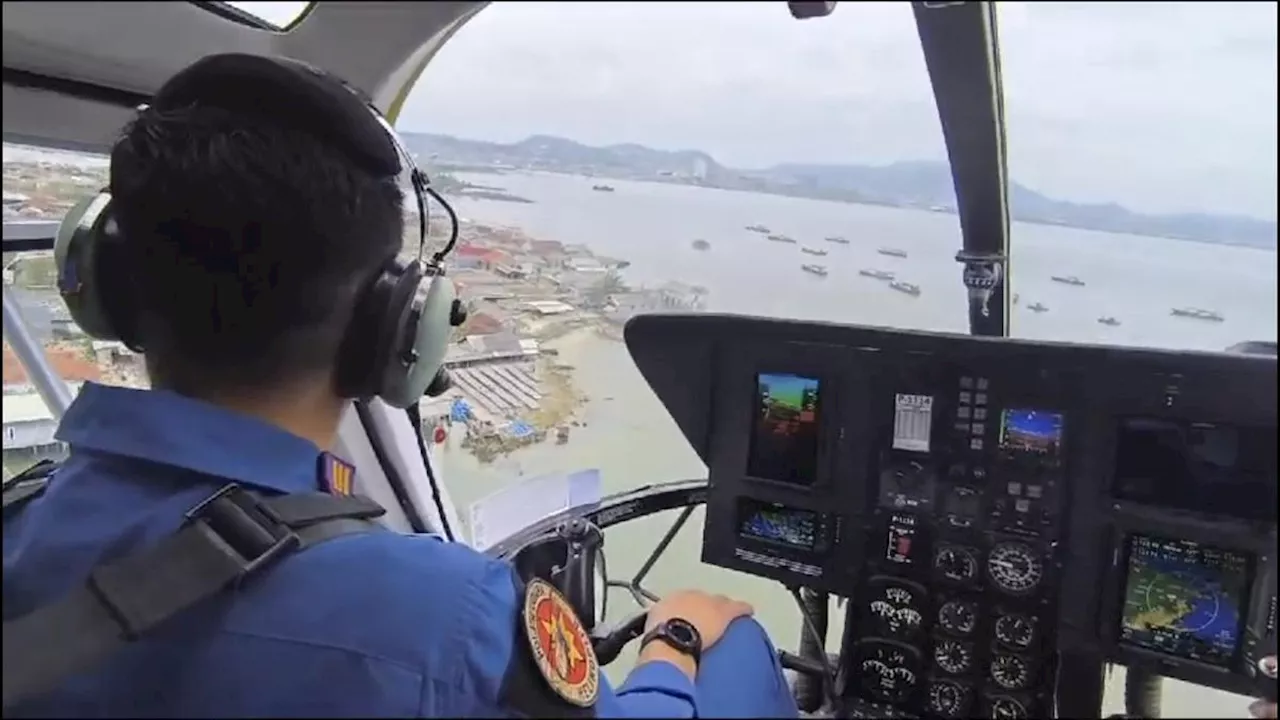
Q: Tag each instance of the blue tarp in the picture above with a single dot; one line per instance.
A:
(460, 411)
(519, 428)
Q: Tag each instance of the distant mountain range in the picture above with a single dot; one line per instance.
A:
(922, 184)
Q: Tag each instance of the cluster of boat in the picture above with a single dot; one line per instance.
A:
(1187, 312)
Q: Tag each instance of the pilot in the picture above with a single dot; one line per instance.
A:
(252, 223)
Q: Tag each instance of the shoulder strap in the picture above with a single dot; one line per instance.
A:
(224, 540)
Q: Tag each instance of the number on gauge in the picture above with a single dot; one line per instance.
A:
(952, 656)
(949, 699)
(1004, 707)
(956, 563)
(958, 617)
(1010, 672)
(1015, 630)
(1014, 568)
(888, 673)
(895, 611)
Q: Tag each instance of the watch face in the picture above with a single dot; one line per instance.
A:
(684, 633)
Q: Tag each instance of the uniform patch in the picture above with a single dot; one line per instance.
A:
(337, 477)
(560, 644)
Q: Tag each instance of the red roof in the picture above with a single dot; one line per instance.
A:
(484, 254)
(482, 324)
(70, 365)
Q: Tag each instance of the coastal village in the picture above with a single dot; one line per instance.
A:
(510, 387)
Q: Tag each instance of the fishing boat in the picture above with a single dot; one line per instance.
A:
(837, 239)
(877, 274)
(905, 287)
(759, 229)
(701, 244)
(1197, 314)
(602, 188)
(1067, 280)
(892, 252)
(819, 270)
(1108, 320)
(813, 251)
(1038, 307)
(781, 238)
(785, 392)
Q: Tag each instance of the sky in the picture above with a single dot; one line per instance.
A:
(1162, 107)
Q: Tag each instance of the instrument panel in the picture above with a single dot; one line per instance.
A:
(988, 507)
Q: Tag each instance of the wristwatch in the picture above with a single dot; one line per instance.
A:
(680, 635)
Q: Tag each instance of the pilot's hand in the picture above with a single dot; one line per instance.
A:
(710, 614)
(1265, 708)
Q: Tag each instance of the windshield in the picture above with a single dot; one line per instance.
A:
(654, 157)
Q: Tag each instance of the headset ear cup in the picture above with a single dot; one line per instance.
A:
(77, 254)
(428, 340)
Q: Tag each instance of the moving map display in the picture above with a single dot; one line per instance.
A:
(784, 439)
(1031, 431)
(1184, 599)
(777, 524)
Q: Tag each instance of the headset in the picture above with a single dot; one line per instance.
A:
(395, 344)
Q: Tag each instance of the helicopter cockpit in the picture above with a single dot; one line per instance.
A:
(996, 521)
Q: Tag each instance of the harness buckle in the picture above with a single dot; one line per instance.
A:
(245, 526)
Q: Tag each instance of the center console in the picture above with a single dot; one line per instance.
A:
(985, 506)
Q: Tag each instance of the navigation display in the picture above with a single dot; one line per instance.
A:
(778, 524)
(1035, 432)
(1184, 599)
(1198, 467)
(784, 441)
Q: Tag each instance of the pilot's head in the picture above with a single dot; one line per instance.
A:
(253, 234)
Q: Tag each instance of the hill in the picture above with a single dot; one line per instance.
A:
(916, 184)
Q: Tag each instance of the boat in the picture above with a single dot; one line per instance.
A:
(701, 244)
(1108, 320)
(905, 287)
(877, 274)
(819, 270)
(1016, 297)
(892, 252)
(837, 239)
(758, 229)
(1198, 314)
(602, 188)
(1038, 307)
(813, 251)
(781, 238)
(1067, 280)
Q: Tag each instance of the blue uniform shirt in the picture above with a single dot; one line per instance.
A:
(379, 624)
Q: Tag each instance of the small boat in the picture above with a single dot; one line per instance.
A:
(892, 252)
(837, 239)
(905, 287)
(701, 244)
(758, 229)
(1038, 307)
(877, 274)
(813, 251)
(1016, 297)
(1198, 314)
(781, 238)
(1067, 280)
(602, 188)
(818, 270)
(1108, 320)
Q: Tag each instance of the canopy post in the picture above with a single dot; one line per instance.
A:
(54, 391)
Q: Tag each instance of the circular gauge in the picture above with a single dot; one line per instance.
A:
(956, 563)
(888, 672)
(1014, 567)
(958, 617)
(895, 610)
(1010, 672)
(952, 656)
(1004, 707)
(948, 699)
(1015, 630)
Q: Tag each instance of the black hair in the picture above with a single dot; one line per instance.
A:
(250, 241)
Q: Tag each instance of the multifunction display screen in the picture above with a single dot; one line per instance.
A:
(1198, 467)
(784, 438)
(1032, 432)
(781, 525)
(1184, 599)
